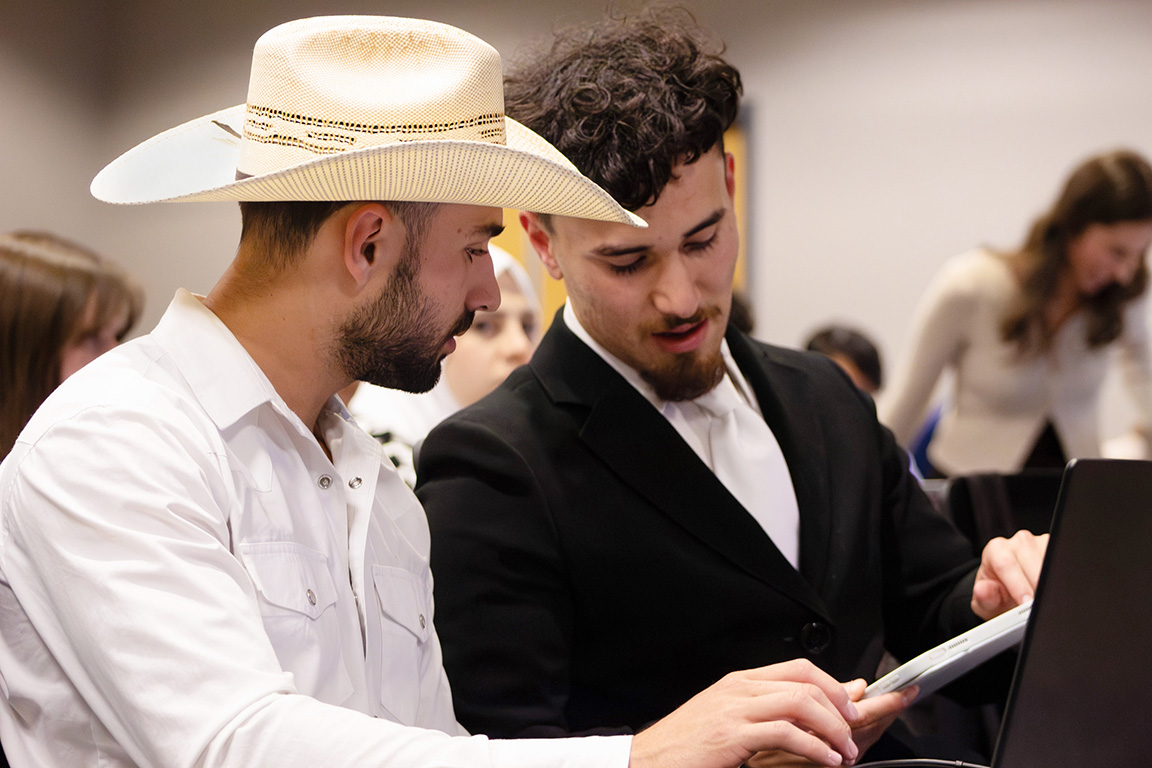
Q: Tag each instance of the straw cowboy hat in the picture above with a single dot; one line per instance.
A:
(363, 108)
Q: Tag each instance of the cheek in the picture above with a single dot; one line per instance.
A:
(74, 358)
(468, 349)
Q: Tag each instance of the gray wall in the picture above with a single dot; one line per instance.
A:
(886, 135)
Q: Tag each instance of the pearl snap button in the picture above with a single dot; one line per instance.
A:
(325, 481)
(354, 482)
(423, 624)
(311, 597)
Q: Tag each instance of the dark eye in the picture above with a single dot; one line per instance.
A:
(476, 253)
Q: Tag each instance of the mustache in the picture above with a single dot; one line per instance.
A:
(669, 322)
(463, 324)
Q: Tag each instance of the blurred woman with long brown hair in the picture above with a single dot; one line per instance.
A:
(1029, 334)
(61, 306)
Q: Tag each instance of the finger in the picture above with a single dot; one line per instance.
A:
(792, 738)
(808, 707)
(1002, 563)
(877, 708)
(804, 671)
(989, 599)
(1031, 556)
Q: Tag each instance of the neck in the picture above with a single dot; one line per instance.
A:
(281, 323)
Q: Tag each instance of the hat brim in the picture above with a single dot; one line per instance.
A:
(196, 162)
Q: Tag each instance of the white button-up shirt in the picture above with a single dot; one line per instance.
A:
(187, 579)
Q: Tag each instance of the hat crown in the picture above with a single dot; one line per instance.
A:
(325, 85)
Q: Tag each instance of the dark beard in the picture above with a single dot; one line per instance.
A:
(688, 375)
(393, 341)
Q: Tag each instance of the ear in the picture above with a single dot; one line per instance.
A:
(373, 241)
(541, 240)
(730, 174)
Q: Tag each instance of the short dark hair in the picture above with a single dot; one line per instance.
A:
(628, 99)
(852, 344)
(283, 229)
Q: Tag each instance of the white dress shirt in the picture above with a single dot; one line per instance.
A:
(405, 418)
(187, 579)
(773, 504)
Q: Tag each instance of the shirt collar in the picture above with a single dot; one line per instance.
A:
(219, 371)
(633, 377)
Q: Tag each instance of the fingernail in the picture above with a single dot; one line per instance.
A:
(853, 713)
(834, 758)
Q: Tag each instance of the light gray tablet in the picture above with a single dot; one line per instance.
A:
(947, 661)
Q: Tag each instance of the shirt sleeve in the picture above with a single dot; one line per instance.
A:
(116, 546)
(937, 340)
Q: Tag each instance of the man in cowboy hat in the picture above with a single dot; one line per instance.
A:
(202, 560)
(655, 479)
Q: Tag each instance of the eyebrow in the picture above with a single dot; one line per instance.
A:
(714, 218)
(491, 230)
(609, 251)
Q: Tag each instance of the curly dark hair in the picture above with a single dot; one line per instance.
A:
(628, 99)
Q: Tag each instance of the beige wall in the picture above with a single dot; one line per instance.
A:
(884, 135)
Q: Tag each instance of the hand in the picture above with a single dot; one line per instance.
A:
(876, 714)
(794, 707)
(1009, 569)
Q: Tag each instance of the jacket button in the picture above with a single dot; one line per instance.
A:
(815, 637)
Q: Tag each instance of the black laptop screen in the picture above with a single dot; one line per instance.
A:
(1082, 694)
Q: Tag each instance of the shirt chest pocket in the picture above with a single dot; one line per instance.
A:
(406, 625)
(298, 606)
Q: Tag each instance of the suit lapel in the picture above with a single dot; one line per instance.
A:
(646, 453)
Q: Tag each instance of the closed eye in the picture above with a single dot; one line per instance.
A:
(700, 245)
(629, 268)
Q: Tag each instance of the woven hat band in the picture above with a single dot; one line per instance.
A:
(275, 139)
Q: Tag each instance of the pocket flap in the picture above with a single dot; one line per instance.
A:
(290, 576)
(403, 599)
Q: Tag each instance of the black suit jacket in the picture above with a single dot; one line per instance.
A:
(592, 574)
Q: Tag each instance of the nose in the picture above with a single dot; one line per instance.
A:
(517, 344)
(676, 292)
(484, 294)
(1125, 271)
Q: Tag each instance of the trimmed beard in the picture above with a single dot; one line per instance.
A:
(690, 374)
(393, 342)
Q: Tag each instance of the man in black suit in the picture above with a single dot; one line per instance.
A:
(598, 556)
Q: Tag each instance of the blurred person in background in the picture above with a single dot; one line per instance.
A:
(498, 342)
(61, 307)
(853, 351)
(1029, 334)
